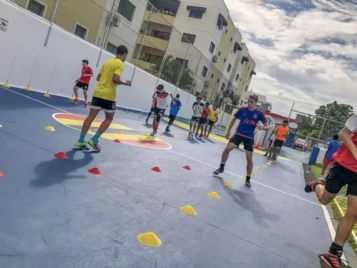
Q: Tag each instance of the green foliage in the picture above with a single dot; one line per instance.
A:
(171, 71)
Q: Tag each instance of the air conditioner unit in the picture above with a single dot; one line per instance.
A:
(214, 59)
(115, 21)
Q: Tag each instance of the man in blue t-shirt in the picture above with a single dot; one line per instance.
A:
(175, 107)
(332, 147)
(249, 117)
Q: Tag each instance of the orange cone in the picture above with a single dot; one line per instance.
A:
(95, 171)
(187, 167)
(257, 146)
(117, 141)
(156, 169)
(61, 155)
(1, 173)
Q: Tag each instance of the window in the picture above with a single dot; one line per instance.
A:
(226, 31)
(237, 77)
(36, 7)
(111, 48)
(126, 9)
(212, 75)
(80, 31)
(212, 47)
(231, 39)
(224, 60)
(188, 38)
(223, 86)
(196, 13)
(204, 71)
(182, 62)
(219, 53)
(229, 68)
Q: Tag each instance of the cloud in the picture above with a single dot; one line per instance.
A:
(312, 58)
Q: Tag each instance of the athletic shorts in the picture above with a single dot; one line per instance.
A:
(202, 120)
(158, 111)
(152, 109)
(82, 85)
(270, 143)
(106, 105)
(328, 161)
(278, 143)
(248, 143)
(195, 119)
(172, 117)
(211, 123)
(339, 176)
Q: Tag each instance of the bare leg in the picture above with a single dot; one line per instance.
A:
(323, 170)
(75, 89)
(106, 123)
(90, 118)
(249, 156)
(328, 169)
(85, 95)
(230, 146)
(347, 222)
(324, 196)
(209, 130)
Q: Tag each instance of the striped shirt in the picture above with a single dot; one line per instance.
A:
(161, 99)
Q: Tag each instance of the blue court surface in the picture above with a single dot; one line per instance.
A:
(54, 213)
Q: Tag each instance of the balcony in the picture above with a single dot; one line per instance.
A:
(143, 64)
(155, 42)
(159, 18)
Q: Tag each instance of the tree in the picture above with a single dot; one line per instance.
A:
(171, 71)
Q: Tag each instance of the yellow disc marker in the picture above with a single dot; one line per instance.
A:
(258, 169)
(145, 134)
(50, 128)
(229, 184)
(6, 85)
(46, 95)
(149, 239)
(0, 125)
(71, 99)
(189, 210)
(265, 166)
(27, 88)
(120, 132)
(214, 195)
(253, 173)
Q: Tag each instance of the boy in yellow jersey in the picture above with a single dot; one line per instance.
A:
(104, 97)
(212, 119)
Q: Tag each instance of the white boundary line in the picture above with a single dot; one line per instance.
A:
(326, 214)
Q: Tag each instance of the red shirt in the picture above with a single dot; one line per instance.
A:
(86, 79)
(344, 156)
(205, 113)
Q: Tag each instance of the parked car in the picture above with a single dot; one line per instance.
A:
(301, 144)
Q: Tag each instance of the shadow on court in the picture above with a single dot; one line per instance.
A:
(56, 170)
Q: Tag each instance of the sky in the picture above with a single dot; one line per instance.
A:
(305, 50)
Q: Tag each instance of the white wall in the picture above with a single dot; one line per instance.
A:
(56, 66)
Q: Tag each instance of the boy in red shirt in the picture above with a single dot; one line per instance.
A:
(343, 172)
(83, 82)
(203, 120)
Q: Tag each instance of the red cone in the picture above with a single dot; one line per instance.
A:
(95, 171)
(156, 169)
(1, 173)
(61, 155)
(187, 167)
(117, 141)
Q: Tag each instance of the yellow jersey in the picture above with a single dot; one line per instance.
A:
(213, 116)
(106, 88)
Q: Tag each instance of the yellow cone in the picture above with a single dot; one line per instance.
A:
(161, 134)
(27, 88)
(120, 132)
(172, 135)
(265, 166)
(145, 134)
(149, 239)
(253, 173)
(258, 168)
(189, 210)
(50, 128)
(6, 85)
(71, 99)
(46, 95)
(214, 195)
(229, 184)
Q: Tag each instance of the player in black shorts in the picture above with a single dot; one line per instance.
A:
(151, 110)
(197, 108)
(83, 82)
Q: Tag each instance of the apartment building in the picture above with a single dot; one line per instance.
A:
(81, 17)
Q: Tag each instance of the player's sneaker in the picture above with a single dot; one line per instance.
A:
(247, 183)
(218, 171)
(310, 187)
(85, 104)
(329, 260)
(94, 145)
(81, 145)
(153, 133)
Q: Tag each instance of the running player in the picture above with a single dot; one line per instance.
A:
(161, 102)
(343, 172)
(175, 107)
(151, 110)
(212, 119)
(203, 120)
(83, 82)
(197, 108)
(104, 97)
(281, 134)
(249, 117)
(271, 140)
(332, 147)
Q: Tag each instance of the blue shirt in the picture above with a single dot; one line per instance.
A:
(248, 121)
(175, 108)
(333, 147)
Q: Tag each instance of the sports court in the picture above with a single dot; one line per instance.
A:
(54, 213)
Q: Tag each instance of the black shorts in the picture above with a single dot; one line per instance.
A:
(339, 176)
(248, 143)
(211, 123)
(202, 120)
(195, 119)
(278, 143)
(172, 117)
(152, 109)
(82, 85)
(158, 111)
(106, 105)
